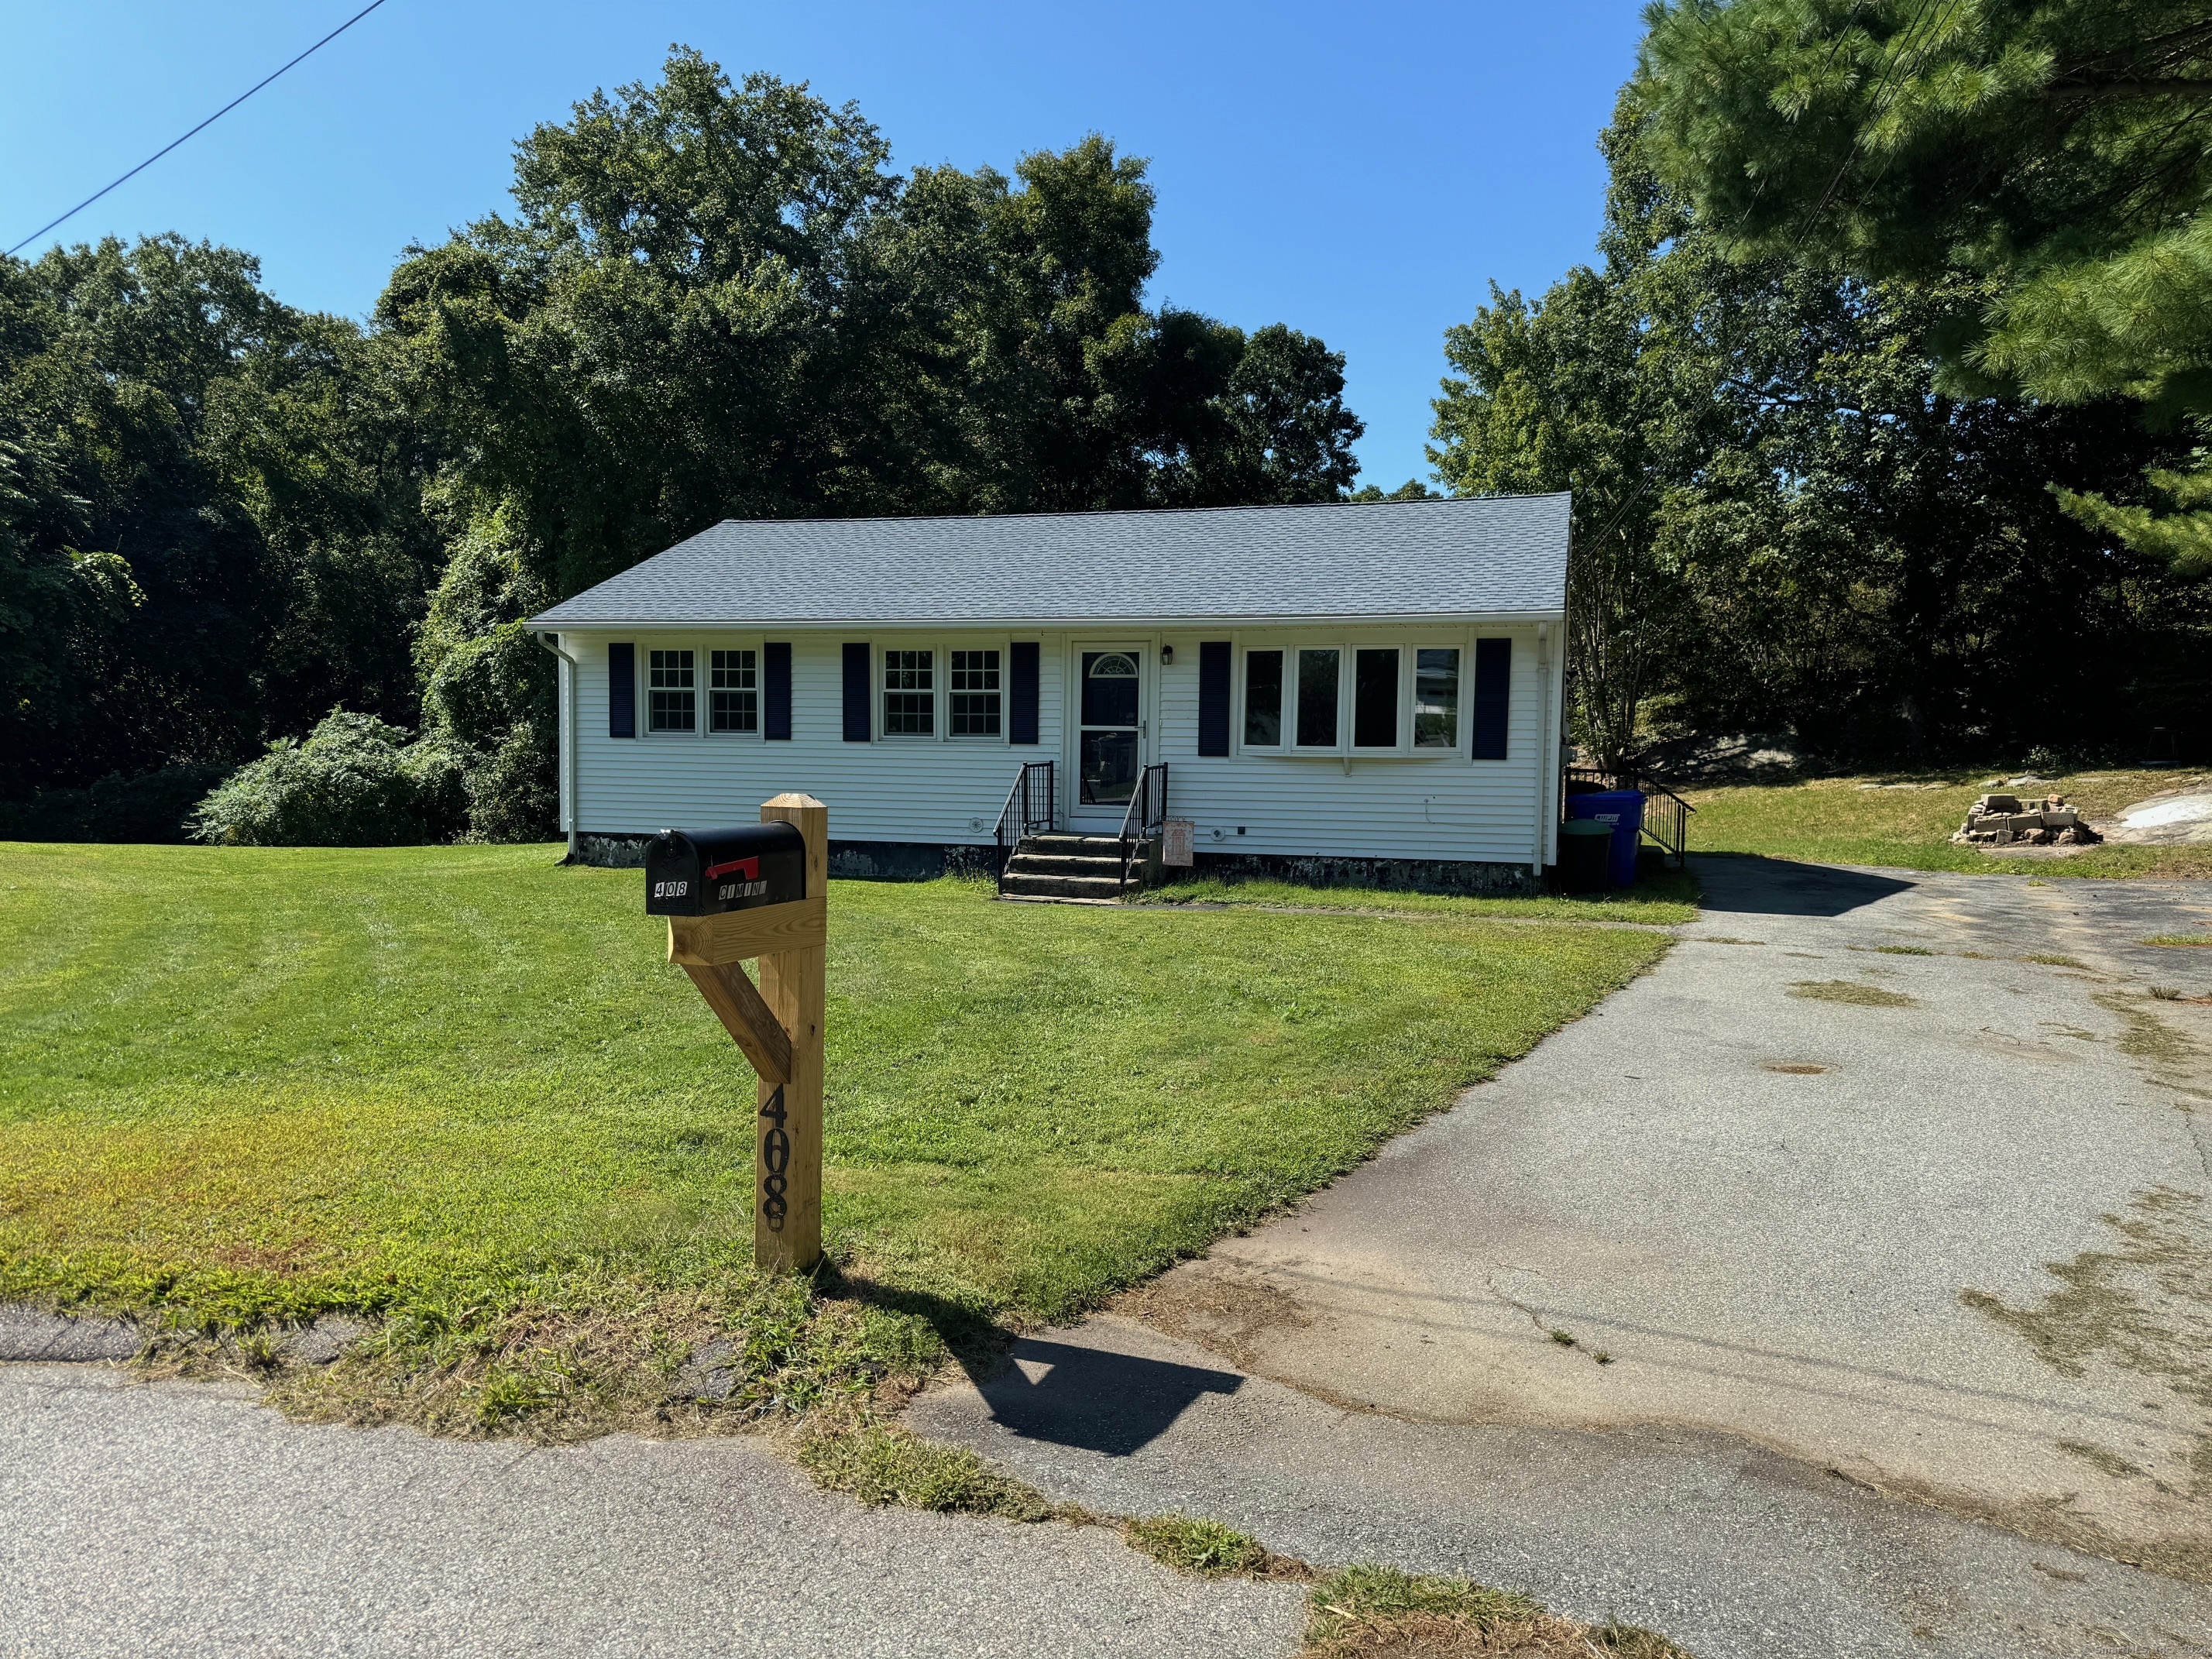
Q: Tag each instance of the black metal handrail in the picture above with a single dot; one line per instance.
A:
(1147, 817)
(1672, 829)
(1031, 805)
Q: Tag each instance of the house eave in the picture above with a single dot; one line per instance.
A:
(1060, 624)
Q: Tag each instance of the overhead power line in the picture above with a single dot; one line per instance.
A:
(210, 121)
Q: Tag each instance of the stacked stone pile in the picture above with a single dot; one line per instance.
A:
(2008, 820)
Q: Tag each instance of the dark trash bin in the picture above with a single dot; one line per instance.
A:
(1621, 811)
(1585, 855)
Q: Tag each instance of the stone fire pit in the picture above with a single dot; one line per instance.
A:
(2009, 821)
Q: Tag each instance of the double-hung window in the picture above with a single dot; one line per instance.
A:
(977, 698)
(910, 694)
(732, 691)
(673, 696)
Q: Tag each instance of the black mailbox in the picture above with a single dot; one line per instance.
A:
(718, 870)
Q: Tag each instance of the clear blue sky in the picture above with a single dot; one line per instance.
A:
(1359, 172)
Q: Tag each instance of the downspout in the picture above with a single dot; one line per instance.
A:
(570, 686)
(1547, 749)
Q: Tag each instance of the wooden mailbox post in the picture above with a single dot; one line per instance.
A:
(778, 1027)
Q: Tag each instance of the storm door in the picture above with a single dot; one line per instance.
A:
(1109, 732)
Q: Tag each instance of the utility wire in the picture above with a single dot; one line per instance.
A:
(210, 121)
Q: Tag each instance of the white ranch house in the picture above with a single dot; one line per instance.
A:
(1371, 691)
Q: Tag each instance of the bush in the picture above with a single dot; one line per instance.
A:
(150, 807)
(514, 791)
(355, 781)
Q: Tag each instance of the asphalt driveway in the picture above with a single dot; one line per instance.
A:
(1843, 1286)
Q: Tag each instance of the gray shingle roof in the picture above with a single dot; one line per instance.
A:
(1499, 556)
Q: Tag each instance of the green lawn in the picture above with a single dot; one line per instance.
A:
(242, 1084)
(1662, 897)
(1844, 821)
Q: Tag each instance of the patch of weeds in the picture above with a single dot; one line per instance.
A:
(2148, 1037)
(881, 1464)
(2138, 1308)
(1377, 1611)
(2051, 959)
(1797, 1067)
(1850, 991)
(1902, 951)
(1601, 1356)
(2178, 940)
(1206, 1549)
(567, 1359)
(1565, 1339)
(2167, 992)
(1722, 939)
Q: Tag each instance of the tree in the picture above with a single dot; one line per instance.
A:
(718, 301)
(208, 510)
(1782, 519)
(2057, 148)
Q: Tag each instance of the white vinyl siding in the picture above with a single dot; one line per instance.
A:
(1412, 802)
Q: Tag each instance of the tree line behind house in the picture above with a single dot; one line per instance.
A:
(221, 517)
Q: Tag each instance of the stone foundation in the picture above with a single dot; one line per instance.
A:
(857, 860)
(1400, 875)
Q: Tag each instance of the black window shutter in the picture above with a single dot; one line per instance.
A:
(1022, 692)
(775, 690)
(1214, 697)
(856, 693)
(1493, 696)
(621, 690)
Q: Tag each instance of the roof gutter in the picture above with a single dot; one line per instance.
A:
(1070, 625)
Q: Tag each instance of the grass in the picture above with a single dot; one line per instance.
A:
(882, 1465)
(1660, 897)
(2180, 941)
(1366, 1613)
(1205, 1549)
(459, 1091)
(1849, 991)
(1840, 821)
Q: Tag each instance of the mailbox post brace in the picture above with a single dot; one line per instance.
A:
(778, 1027)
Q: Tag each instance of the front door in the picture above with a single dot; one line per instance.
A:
(1110, 733)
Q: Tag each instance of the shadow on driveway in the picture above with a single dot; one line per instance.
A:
(1092, 1398)
(1751, 884)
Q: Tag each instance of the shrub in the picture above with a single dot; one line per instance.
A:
(150, 807)
(514, 791)
(355, 781)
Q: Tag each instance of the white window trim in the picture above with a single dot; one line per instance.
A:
(706, 676)
(646, 728)
(1005, 692)
(940, 648)
(1346, 696)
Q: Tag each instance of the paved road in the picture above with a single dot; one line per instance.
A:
(1807, 1234)
(187, 1520)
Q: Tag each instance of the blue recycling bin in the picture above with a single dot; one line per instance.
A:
(1624, 810)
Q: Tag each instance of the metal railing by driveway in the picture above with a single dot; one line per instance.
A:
(1032, 808)
(1147, 817)
(1665, 814)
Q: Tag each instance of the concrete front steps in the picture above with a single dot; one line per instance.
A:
(1073, 869)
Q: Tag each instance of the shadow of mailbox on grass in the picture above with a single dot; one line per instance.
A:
(1112, 1403)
